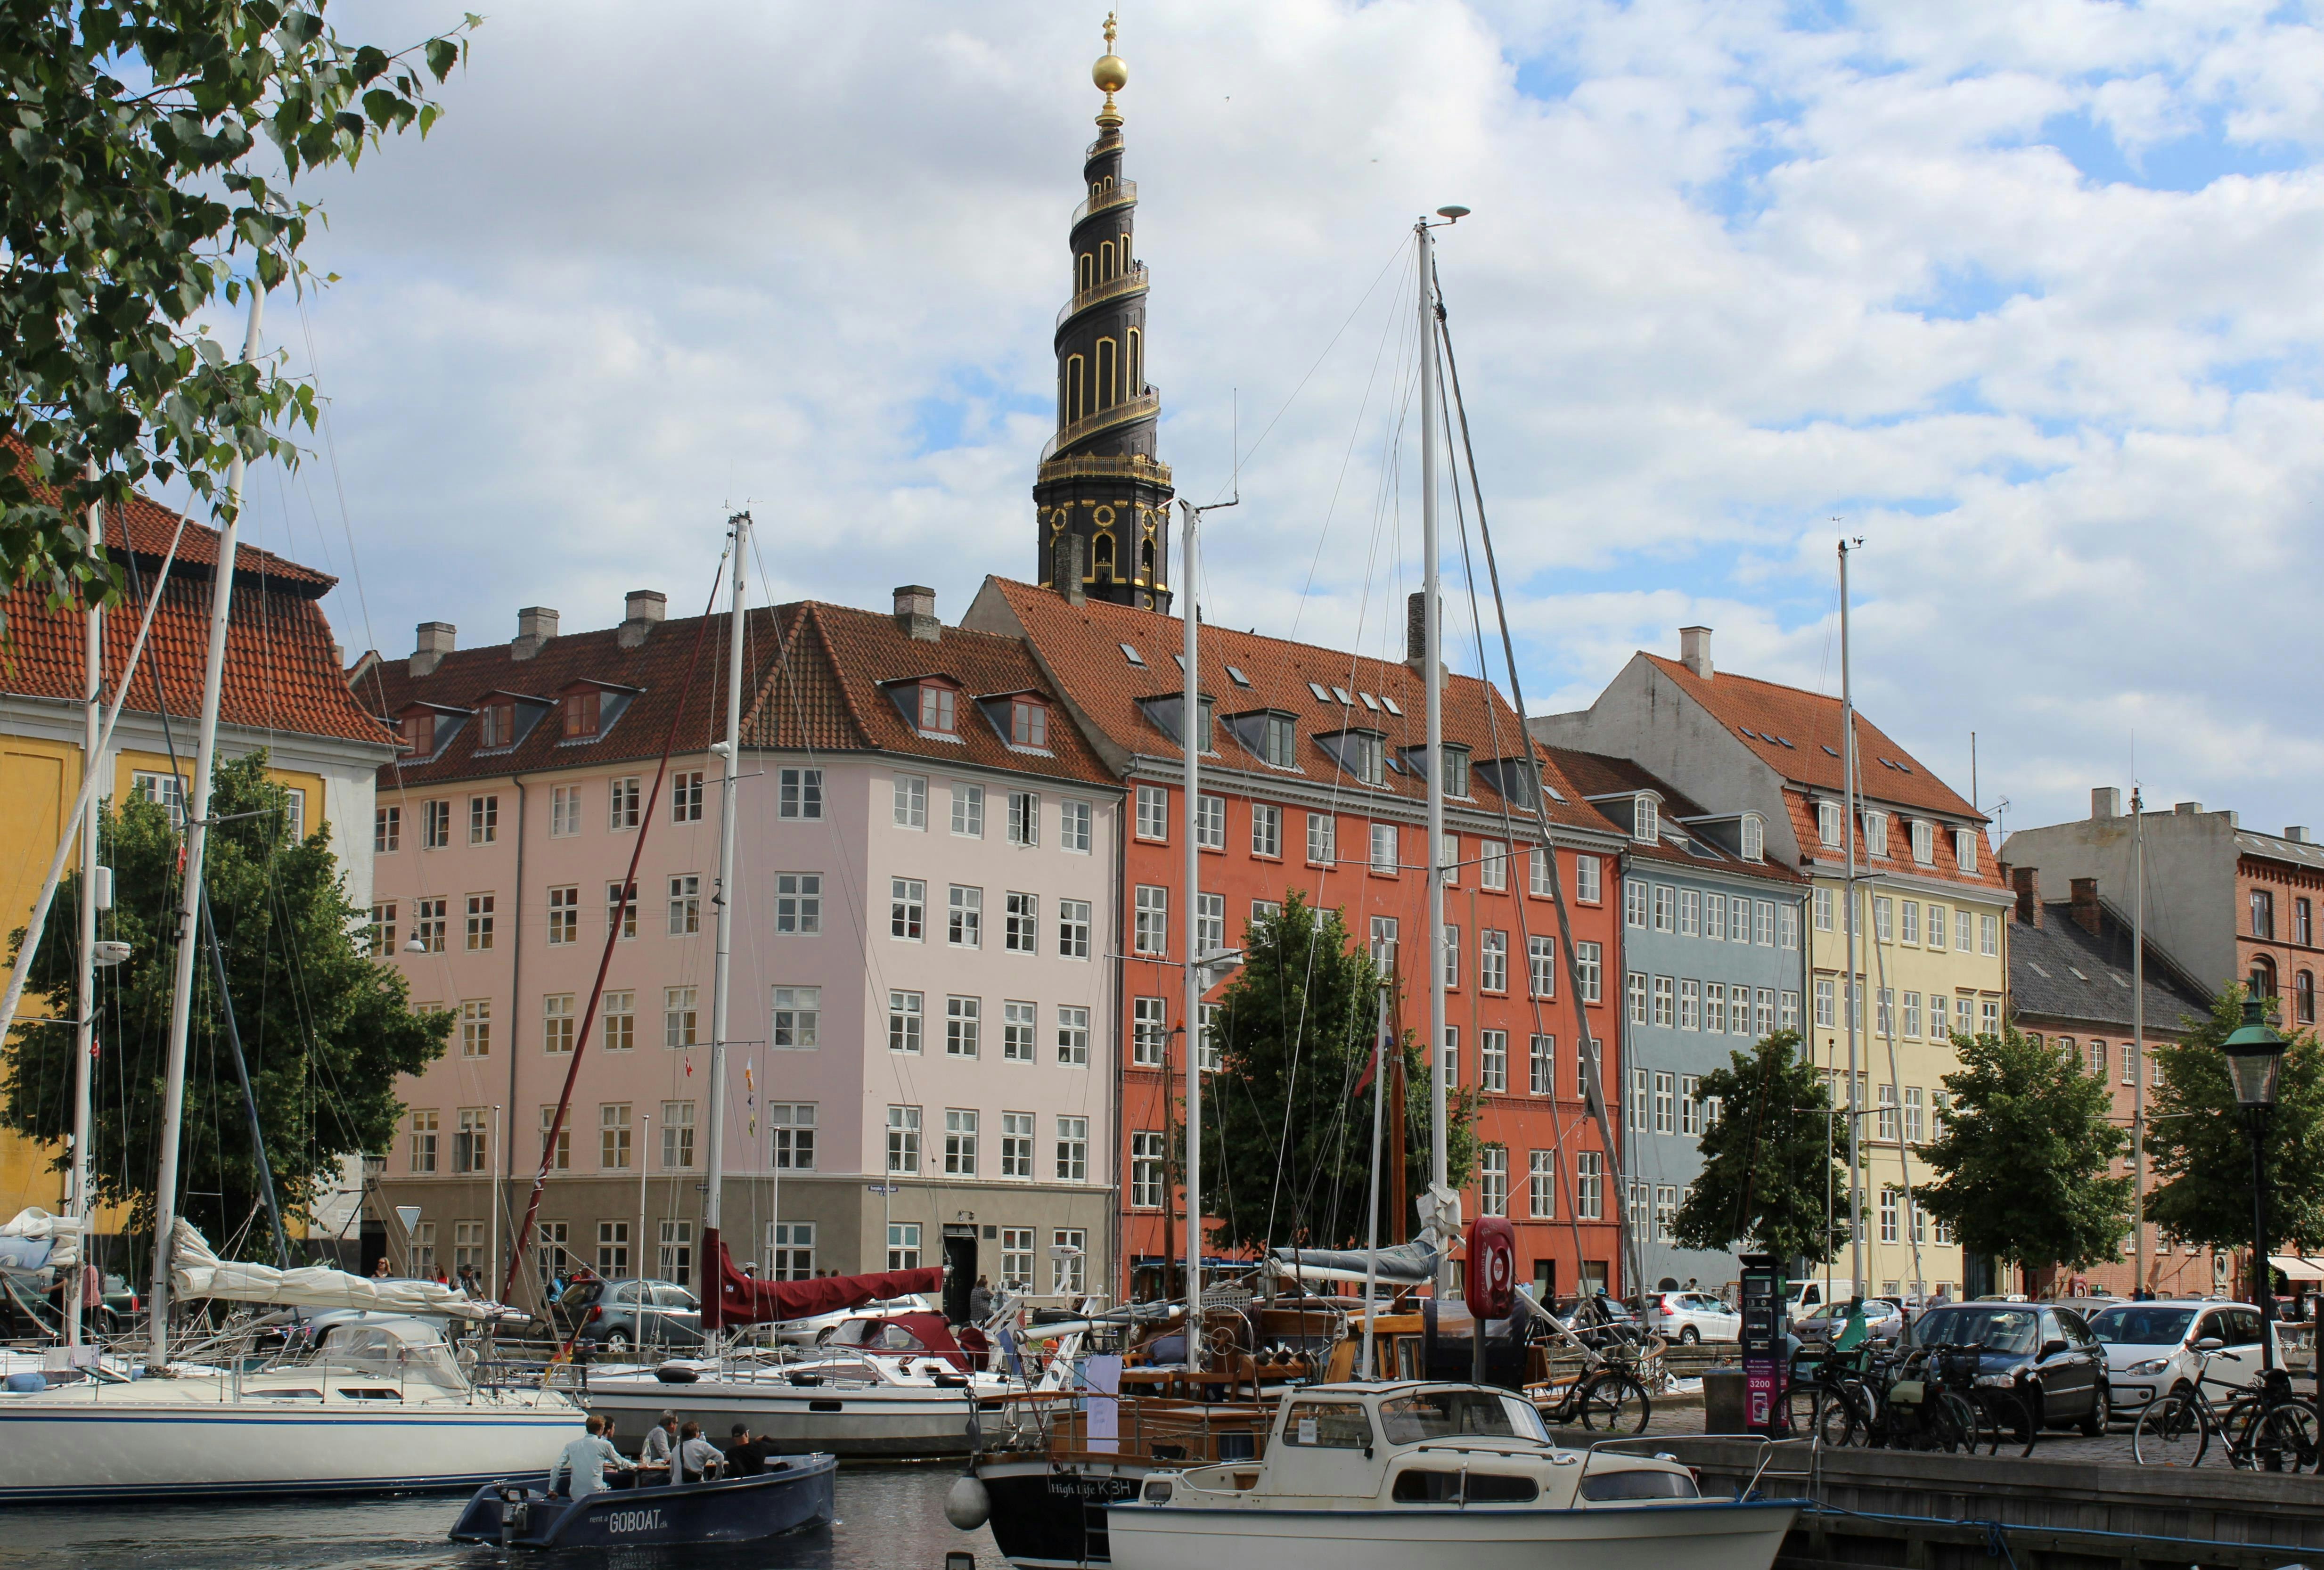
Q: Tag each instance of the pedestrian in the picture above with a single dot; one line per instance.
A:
(1691, 1286)
(980, 1302)
(580, 1469)
(746, 1456)
(378, 1271)
(662, 1443)
(697, 1459)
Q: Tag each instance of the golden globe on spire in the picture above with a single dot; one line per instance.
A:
(1111, 76)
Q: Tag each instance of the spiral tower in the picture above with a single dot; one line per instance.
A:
(1102, 497)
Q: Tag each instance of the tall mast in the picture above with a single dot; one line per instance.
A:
(196, 803)
(730, 750)
(2142, 1282)
(1852, 990)
(1190, 737)
(1431, 653)
(77, 1204)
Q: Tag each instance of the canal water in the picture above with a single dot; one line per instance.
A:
(890, 1517)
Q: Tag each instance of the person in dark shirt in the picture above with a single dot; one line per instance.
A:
(746, 1456)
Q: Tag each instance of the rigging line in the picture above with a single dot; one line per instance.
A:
(1394, 321)
(612, 936)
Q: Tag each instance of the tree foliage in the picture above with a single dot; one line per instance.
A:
(148, 149)
(1772, 1158)
(1288, 1146)
(2025, 1161)
(2200, 1153)
(325, 1028)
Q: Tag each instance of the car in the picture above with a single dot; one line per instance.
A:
(1805, 1296)
(1884, 1320)
(815, 1330)
(2151, 1347)
(1687, 1317)
(614, 1316)
(2044, 1353)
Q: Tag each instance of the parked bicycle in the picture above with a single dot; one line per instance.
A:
(1609, 1399)
(2262, 1425)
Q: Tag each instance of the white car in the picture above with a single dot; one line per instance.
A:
(2151, 1347)
(1687, 1317)
(814, 1332)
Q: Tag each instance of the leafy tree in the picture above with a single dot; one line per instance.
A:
(132, 190)
(325, 1028)
(1287, 1135)
(2026, 1157)
(2201, 1154)
(1771, 1159)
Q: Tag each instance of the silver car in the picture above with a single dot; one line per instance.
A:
(2151, 1347)
(1687, 1317)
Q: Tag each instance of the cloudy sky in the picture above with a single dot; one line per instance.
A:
(2024, 295)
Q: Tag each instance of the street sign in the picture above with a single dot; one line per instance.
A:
(885, 1187)
(408, 1214)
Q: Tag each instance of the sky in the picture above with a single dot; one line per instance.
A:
(2023, 295)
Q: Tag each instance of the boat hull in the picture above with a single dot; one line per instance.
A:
(738, 1509)
(1707, 1534)
(795, 1419)
(1045, 1517)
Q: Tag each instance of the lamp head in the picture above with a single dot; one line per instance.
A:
(1453, 213)
(417, 945)
(2255, 1052)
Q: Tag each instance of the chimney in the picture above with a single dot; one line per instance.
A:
(435, 640)
(2106, 801)
(2298, 834)
(1694, 650)
(2086, 904)
(2027, 881)
(2188, 809)
(1066, 567)
(915, 611)
(535, 626)
(640, 614)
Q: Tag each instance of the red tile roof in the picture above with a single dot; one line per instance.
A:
(1082, 646)
(1597, 774)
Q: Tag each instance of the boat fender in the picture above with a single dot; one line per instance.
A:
(30, 1381)
(951, 1381)
(670, 1373)
(968, 1506)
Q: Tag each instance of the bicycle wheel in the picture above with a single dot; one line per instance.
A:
(1613, 1401)
(1953, 1423)
(2173, 1431)
(2284, 1436)
(2012, 1421)
(1843, 1421)
(1804, 1403)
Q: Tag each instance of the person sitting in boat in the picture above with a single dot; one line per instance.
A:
(662, 1443)
(746, 1456)
(580, 1469)
(698, 1460)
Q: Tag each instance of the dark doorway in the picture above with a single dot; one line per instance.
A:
(960, 1270)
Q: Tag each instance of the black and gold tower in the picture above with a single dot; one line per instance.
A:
(1102, 496)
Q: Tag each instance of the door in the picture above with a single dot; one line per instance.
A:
(678, 1317)
(2239, 1363)
(960, 1270)
(2068, 1382)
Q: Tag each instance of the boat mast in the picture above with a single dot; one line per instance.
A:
(1851, 989)
(2143, 1282)
(77, 1204)
(1190, 737)
(1431, 654)
(197, 809)
(1371, 1212)
(729, 752)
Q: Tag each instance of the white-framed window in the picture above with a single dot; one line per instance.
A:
(1636, 1103)
(1755, 837)
(910, 805)
(906, 1015)
(476, 1027)
(790, 1251)
(1787, 1012)
(1541, 1064)
(1493, 961)
(1073, 830)
(1911, 1019)
(964, 1024)
(1069, 1262)
(1690, 1104)
(1635, 992)
(960, 1142)
(1150, 1032)
(483, 818)
(1665, 1103)
(1537, 873)
(1884, 918)
(1964, 929)
(1890, 1202)
(1763, 923)
(1714, 917)
(1541, 1184)
(1211, 1039)
(565, 811)
(560, 1155)
(1965, 849)
(904, 1240)
(1018, 1023)
(621, 908)
(1452, 1055)
(1936, 938)
(799, 794)
(557, 1023)
(1829, 822)
(435, 817)
(1017, 1258)
(1988, 935)
(908, 909)
(471, 1140)
(686, 905)
(1666, 1211)
(615, 1128)
(1924, 842)
(614, 1249)
(1493, 1180)
(798, 904)
(1541, 965)
(679, 1016)
(1073, 1149)
(1146, 1159)
(1323, 838)
(1383, 943)
(620, 1022)
(1646, 820)
(1210, 923)
(1589, 967)
(1666, 1005)
(1384, 849)
(480, 923)
(1762, 1012)
(1913, 1111)
(1150, 923)
(1266, 830)
(564, 915)
(686, 795)
(1452, 978)
(1665, 908)
(965, 916)
(1690, 1005)
(1153, 812)
(1020, 923)
(387, 829)
(792, 1122)
(1265, 910)
(677, 1136)
(1073, 928)
(1590, 1184)
(904, 1143)
(1787, 928)
(1989, 1014)
(1211, 822)
(1016, 1144)
(967, 809)
(1822, 899)
(1448, 858)
(1636, 902)
(1024, 818)
(1073, 1036)
(1588, 880)
(1885, 1114)
(1690, 913)
(1884, 1012)
(1875, 832)
(625, 802)
(1492, 865)
(1493, 1061)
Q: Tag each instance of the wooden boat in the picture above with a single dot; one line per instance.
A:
(789, 1495)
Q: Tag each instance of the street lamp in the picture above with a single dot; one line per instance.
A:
(2255, 1054)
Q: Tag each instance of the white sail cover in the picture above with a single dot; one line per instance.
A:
(61, 1232)
(197, 1271)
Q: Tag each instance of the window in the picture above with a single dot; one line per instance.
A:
(435, 818)
(381, 938)
(798, 903)
(964, 918)
(1826, 1002)
(1028, 721)
(1912, 1016)
(799, 794)
(1212, 1046)
(557, 1023)
(1938, 1030)
(1016, 1144)
(1265, 911)
(1787, 1012)
(2303, 921)
(1988, 935)
(1384, 849)
(903, 1245)
(686, 795)
(1383, 942)
(1266, 831)
(612, 1242)
(620, 1022)
(625, 803)
(1635, 902)
(614, 1127)
(1323, 838)
(1540, 1057)
(686, 905)
(1787, 928)
(798, 1018)
(1884, 1011)
(386, 829)
(1493, 1061)
(1714, 1007)
(1150, 923)
(1448, 858)
(905, 1018)
(1913, 1109)
(1020, 929)
(1762, 1012)
(1690, 1104)
(1279, 740)
(1885, 1119)
(1666, 1012)
(1989, 1013)
(1068, 1261)
(1646, 820)
(622, 909)
(936, 707)
(909, 803)
(1541, 1184)
(1149, 1032)
(1964, 930)
(1635, 1106)
(2262, 913)
(1665, 1103)
(1541, 962)
(1493, 1180)
(907, 907)
(564, 915)
(1017, 1258)
(1590, 1186)
(1073, 1149)
(1211, 822)
(1587, 880)
(1492, 865)
(1755, 837)
(1451, 956)
(790, 1251)
(1666, 1211)
(963, 1022)
(1690, 913)
(903, 1143)
(1665, 908)
(1924, 842)
(480, 922)
(1537, 873)
(1493, 961)
(1074, 834)
(1024, 818)
(1884, 918)
(1690, 1005)
(1451, 1056)
(1072, 1035)
(2303, 990)
(960, 1143)
(1889, 1199)
(476, 1027)
(560, 1155)
(1763, 923)
(1714, 917)
(1073, 928)
(677, 1136)
(1146, 1171)
(1875, 832)
(1822, 909)
(424, 1127)
(679, 1016)
(565, 811)
(1153, 812)
(1586, 963)
(1965, 849)
(1827, 822)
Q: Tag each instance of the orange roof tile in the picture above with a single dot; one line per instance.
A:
(1597, 774)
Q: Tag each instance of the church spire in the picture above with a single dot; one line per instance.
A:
(1102, 497)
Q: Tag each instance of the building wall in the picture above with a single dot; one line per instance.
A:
(2194, 905)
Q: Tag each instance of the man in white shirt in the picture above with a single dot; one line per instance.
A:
(698, 1460)
(661, 1442)
(581, 1466)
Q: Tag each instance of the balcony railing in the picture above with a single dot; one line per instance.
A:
(1136, 467)
(1120, 195)
(1131, 282)
(1145, 406)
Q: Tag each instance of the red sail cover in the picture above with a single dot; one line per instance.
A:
(741, 1299)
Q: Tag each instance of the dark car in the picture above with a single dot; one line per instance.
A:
(614, 1316)
(2044, 1353)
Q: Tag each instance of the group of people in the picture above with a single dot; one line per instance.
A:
(674, 1452)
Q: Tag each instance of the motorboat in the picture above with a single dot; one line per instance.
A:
(521, 1514)
(1419, 1476)
(856, 1403)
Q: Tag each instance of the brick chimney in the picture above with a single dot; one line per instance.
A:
(915, 611)
(2027, 881)
(2086, 904)
(2106, 801)
(535, 626)
(1694, 650)
(1067, 564)
(642, 613)
(434, 641)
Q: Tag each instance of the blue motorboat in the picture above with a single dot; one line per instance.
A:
(791, 1493)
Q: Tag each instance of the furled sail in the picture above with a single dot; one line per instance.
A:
(197, 1271)
(735, 1299)
(1399, 1265)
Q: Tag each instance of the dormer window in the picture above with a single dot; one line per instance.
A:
(1876, 834)
(1924, 842)
(496, 726)
(1827, 822)
(936, 708)
(1166, 712)
(1363, 753)
(578, 714)
(1028, 721)
(420, 732)
(1965, 849)
(1455, 767)
(1755, 837)
(1646, 820)
(1279, 740)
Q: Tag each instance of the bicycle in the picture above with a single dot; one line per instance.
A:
(1834, 1404)
(2264, 1427)
(1927, 1404)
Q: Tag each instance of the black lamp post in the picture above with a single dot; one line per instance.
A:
(2254, 1053)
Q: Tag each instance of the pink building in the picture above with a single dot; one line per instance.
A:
(927, 878)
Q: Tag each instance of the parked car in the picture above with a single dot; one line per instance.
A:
(815, 1331)
(1884, 1320)
(2151, 1347)
(2043, 1352)
(1805, 1296)
(614, 1316)
(1687, 1317)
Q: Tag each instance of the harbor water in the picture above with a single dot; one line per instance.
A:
(890, 1517)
